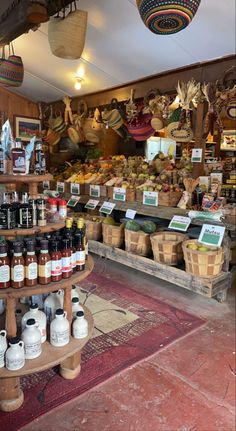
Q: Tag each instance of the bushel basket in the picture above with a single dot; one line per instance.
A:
(113, 235)
(94, 229)
(167, 247)
(205, 264)
(137, 242)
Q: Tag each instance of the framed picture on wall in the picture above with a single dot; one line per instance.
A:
(228, 140)
(26, 127)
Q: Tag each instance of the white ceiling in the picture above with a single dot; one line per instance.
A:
(119, 48)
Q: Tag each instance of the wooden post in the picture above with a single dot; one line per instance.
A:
(11, 327)
(70, 368)
(200, 141)
(11, 395)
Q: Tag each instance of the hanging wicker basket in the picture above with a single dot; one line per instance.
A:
(113, 235)
(167, 247)
(66, 36)
(203, 263)
(11, 69)
(167, 16)
(137, 242)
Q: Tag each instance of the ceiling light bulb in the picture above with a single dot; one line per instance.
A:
(78, 85)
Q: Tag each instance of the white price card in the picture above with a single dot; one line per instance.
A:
(119, 194)
(46, 185)
(150, 198)
(216, 177)
(196, 155)
(73, 201)
(130, 214)
(107, 207)
(211, 235)
(75, 189)
(91, 204)
(180, 223)
(60, 187)
(94, 191)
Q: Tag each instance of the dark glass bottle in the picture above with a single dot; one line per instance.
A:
(7, 213)
(25, 213)
(40, 161)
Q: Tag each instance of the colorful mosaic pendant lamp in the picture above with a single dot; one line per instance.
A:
(167, 16)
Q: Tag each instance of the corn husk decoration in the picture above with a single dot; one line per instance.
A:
(186, 200)
(215, 105)
(68, 118)
(159, 107)
(131, 107)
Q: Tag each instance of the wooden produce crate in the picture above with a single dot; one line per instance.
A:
(113, 235)
(169, 199)
(130, 195)
(203, 263)
(167, 247)
(94, 228)
(138, 242)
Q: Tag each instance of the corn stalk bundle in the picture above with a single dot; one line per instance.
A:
(131, 107)
(187, 91)
(215, 105)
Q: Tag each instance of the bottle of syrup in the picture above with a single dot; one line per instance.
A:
(4, 267)
(40, 161)
(7, 213)
(56, 261)
(66, 258)
(18, 158)
(17, 267)
(79, 244)
(44, 264)
(25, 213)
(31, 265)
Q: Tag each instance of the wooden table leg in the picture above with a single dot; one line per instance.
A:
(11, 395)
(11, 327)
(70, 368)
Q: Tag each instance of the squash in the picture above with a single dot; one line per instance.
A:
(132, 225)
(148, 226)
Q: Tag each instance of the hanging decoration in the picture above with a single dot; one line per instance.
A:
(167, 16)
(11, 69)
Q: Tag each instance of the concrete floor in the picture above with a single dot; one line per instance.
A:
(188, 386)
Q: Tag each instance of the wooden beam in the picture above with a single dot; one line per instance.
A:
(200, 140)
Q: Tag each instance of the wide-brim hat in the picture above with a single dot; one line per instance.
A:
(231, 108)
(52, 137)
(157, 122)
(179, 134)
(75, 136)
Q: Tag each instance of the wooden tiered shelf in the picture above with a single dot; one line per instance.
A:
(50, 227)
(32, 181)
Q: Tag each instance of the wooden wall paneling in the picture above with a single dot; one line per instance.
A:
(13, 104)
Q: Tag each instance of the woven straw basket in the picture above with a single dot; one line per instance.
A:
(169, 199)
(94, 229)
(167, 247)
(67, 36)
(203, 264)
(137, 242)
(113, 235)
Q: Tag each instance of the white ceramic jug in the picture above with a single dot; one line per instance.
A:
(32, 339)
(54, 301)
(3, 347)
(40, 318)
(80, 326)
(15, 354)
(60, 329)
(76, 306)
(74, 293)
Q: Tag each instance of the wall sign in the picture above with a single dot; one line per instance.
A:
(73, 201)
(60, 187)
(107, 207)
(94, 191)
(180, 223)
(150, 198)
(119, 194)
(75, 189)
(196, 155)
(130, 214)
(91, 204)
(211, 235)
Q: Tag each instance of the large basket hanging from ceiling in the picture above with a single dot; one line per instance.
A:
(66, 36)
(167, 16)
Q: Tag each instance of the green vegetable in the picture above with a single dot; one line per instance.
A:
(132, 225)
(148, 226)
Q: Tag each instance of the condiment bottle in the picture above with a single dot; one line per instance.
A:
(85, 241)
(73, 254)
(31, 336)
(66, 259)
(41, 212)
(67, 231)
(15, 355)
(31, 265)
(2, 161)
(4, 267)
(40, 161)
(53, 301)
(16, 206)
(39, 316)
(79, 244)
(17, 267)
(18, 158)
(44, 264)
(60, 329)
(76, 306)
(80, 326)
(7, 213)
(53, 205)
(25, 213)
(56, 259)
(32, 204)
(3, 347)
(62, 208)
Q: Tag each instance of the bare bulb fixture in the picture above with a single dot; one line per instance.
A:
(78, 83)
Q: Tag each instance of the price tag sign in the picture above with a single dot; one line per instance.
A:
(46, 185)
(130, 214)
(119, 194)
(196, 155)
(107, 207)
(60, 187)
(94, 191)
(211, 235)
(75, 189)
(150, 198)
(91, 204)
(180, 223)
(73, 201)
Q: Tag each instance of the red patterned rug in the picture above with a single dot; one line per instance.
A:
(139, 327)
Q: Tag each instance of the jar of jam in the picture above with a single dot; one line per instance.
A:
(31, 265)
(17, 267)
(56, 259)
(4, 267)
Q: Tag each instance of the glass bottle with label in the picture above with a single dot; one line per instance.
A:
(2, 161)
(31, 336)
(31, 265)
(44, 264)
(60, 329)
(25, 213)
(40, 161)
(15, 201)
(17, 267)
(67, 231)
(4, 267)
(32, 204)
(73, 254)
(7, 213)
(41, 212)
(56, 258)
(79, 244)
(18, 158)
(66, 258)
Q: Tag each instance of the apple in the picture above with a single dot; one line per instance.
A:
(192, 246)
(202, 248)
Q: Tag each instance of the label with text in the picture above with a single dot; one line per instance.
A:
(60, 187)
(119, 194)
(91, 204)
(130, 214)
(180, 223)
(150, 198)
(196, 155)
(73, 201)
(75, 189)
(94, 191)
(211, 235)
(107, 208)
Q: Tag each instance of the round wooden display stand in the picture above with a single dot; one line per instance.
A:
(11, 395)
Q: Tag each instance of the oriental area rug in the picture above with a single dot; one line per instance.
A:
(129, 327)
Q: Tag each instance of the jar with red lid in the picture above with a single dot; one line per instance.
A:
(62, 208)
(52, 205)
